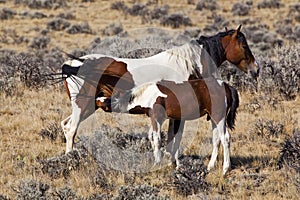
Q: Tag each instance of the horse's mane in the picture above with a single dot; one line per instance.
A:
(213, 46)
(188, 55)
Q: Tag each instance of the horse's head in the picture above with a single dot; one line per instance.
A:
(238, 52)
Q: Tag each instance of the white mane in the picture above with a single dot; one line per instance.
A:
(188, 55)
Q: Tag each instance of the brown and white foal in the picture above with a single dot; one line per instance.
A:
(182, 101)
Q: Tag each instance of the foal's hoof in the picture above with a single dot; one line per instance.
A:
(157, 156)
(226, 171)
(178, 165)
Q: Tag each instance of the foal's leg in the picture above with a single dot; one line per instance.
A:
(215, 142)
(174, 138)
(150, 136)
(157, 115)
(156, 135)
(224, 137)
(170, 137)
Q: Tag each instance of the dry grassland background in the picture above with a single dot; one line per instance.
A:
(265, 146)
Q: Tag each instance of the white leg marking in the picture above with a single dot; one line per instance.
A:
(174, 141)
(150, 136)
(225, 139)
(101, 99)
(177, 140)
(170, 142)
(157, 143)
(73, 123)
(65, 124)
(70, 124)
(215, 142)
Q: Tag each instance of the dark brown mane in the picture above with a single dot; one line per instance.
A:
(213, 46)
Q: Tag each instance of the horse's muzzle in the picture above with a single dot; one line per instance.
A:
(255, 72)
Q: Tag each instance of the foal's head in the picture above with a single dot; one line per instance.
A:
(238, 52)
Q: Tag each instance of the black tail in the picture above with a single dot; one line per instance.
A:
(73, 56)
(233, 103)
(67, 70)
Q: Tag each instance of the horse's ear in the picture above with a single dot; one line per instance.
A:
(235, 34)
(239, 28)
(226, 29)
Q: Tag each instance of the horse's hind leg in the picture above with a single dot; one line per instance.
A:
(215, 142)
(70, 125)
(65, 124)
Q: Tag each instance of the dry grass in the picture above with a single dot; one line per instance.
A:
(254, 157)
(254, 174)
(99, 15)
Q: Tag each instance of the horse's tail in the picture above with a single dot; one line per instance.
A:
(68, 70)
(72, 66)
(73, 56)
(233, 103)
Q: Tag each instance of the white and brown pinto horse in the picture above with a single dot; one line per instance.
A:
(95, 75)
(182, 101)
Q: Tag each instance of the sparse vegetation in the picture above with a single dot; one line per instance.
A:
(264, 146)
(290, 152)
(190, 177)
(176, 20)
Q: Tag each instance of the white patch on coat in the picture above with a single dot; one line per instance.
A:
(101, 99)
(175, 64)
(77, 63)
(74, 85)
(220, 82)
(256, 63)
(145, 96)
(73, 63)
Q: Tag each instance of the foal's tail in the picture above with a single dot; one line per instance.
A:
(233, 103)
(120, 102)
